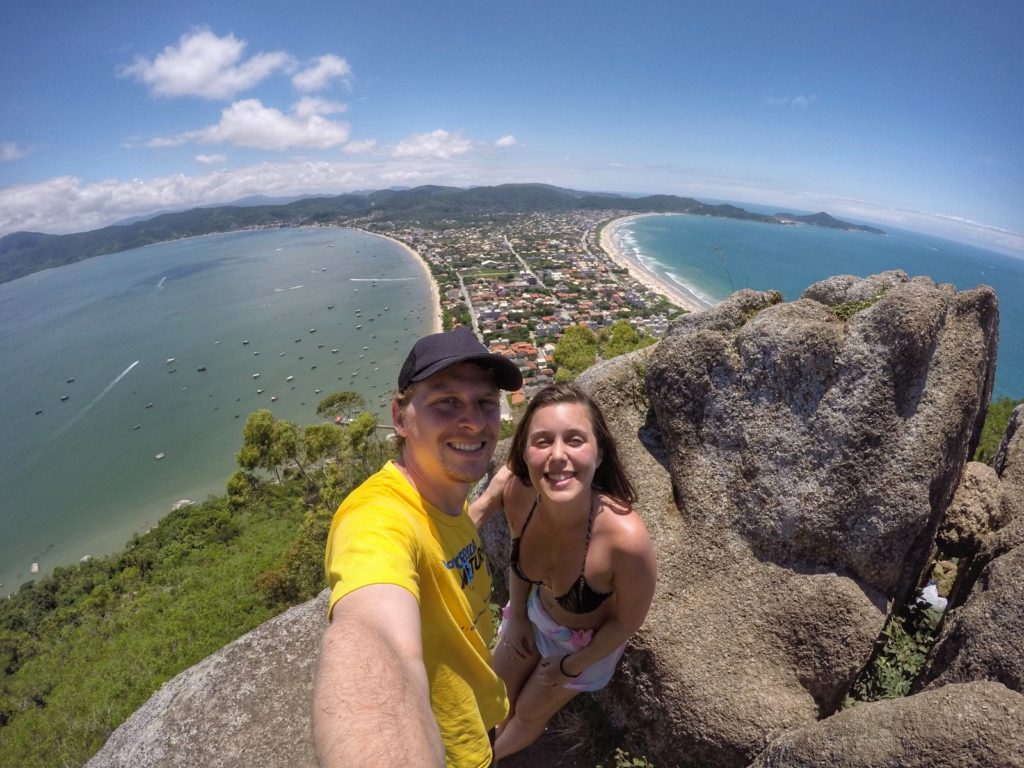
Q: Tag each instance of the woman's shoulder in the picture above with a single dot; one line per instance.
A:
(623, 526)
(518, 497)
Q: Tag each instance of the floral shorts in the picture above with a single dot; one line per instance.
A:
(553, 639)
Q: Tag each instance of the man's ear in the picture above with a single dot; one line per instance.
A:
(398, 418)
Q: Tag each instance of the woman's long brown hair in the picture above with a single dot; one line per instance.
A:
(609, 477)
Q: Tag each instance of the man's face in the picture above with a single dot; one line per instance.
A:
(450, 425)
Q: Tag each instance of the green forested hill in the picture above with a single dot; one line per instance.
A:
(22, 253)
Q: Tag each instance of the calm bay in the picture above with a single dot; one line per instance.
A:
(157, 352)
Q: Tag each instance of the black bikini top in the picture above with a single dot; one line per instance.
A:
(581, 597)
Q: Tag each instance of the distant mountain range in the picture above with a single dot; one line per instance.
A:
(22, 253)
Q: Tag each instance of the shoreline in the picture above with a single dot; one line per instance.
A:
(435, 290)
(678, 295)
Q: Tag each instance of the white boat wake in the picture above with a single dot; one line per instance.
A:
(72, 421)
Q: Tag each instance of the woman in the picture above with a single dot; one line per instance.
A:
(582, 568)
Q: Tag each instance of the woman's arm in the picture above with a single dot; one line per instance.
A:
(491, 500)
(519, 633)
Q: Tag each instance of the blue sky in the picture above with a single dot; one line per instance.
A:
(906, 114)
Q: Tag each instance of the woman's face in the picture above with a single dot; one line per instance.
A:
(561, 451)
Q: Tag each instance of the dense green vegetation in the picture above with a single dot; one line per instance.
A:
(575, 352)
(998, 415)
(579, 347)
(84, 647)
(905, 643)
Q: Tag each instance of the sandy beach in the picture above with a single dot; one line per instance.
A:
(676, 294)
(435, 291)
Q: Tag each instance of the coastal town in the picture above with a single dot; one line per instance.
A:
(521, 282)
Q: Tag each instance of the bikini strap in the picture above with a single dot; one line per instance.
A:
(586, 545)
(529, 516)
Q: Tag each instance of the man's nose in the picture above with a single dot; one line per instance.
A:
(473, 417)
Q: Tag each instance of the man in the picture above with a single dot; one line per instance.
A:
(405, 675)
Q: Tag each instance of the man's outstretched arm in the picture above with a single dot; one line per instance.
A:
(371, 701)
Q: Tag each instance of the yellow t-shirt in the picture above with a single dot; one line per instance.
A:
(384, 532)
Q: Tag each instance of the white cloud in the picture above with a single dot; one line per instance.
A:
(361, 147)
(248, 123)
(309, 105)
(211, 159)
(11, 151)
(800, 101)
(437, 144)
(204, 65)
(319, 75)
(506, 141)
(165, 141)
(69, 204)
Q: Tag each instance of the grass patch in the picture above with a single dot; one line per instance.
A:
(848, 309)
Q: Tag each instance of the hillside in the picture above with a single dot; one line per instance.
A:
(22, 253)
(823, 219)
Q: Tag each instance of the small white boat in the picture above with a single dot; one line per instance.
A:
(169, 360)
(159, 455)
(255, 375)
(288, 378)
(259, 391)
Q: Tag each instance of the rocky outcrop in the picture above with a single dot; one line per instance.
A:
(974, 513)
(823, 440)
(970, 725)
(982, 637)
(247, 705)
(812, 449)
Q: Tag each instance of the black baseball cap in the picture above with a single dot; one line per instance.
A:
(438, 351)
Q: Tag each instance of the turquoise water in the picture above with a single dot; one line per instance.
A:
(80, 478)
(714, 257)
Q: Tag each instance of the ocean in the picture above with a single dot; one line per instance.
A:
(714, 257)
(157, 352)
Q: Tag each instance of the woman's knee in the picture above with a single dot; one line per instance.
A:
(528, 720)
